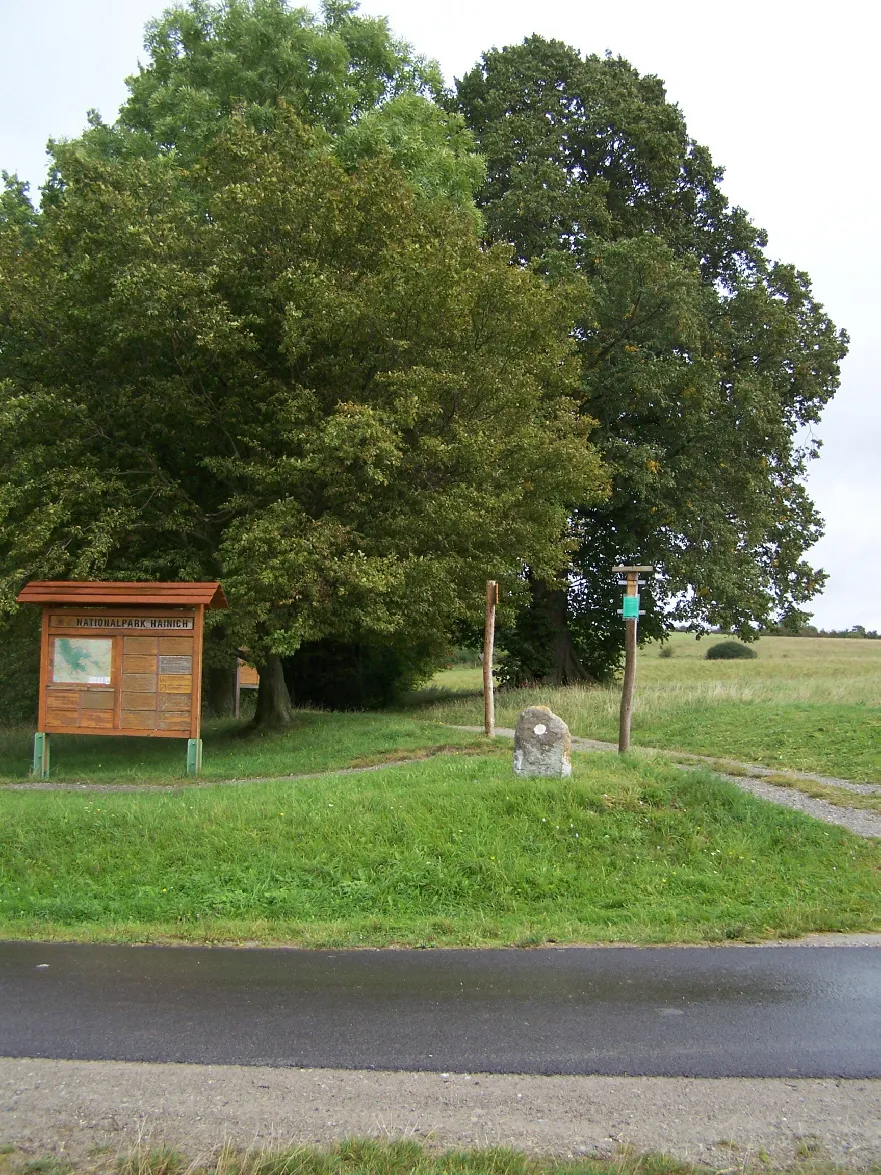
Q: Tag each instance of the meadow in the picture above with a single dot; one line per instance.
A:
(808, 704)
(812, 704)
(315, 741)
(448, 847)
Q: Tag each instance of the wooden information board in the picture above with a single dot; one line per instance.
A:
(121, 659)
(247, 677)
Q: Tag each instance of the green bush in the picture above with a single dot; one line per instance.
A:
(665, 651)
(730, 651)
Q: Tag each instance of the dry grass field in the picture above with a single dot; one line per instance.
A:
(813, 704)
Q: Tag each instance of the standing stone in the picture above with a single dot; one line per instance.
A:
(542, 744)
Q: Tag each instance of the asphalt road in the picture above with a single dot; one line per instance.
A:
(690, 1012)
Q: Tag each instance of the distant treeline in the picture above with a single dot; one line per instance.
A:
(858, 632)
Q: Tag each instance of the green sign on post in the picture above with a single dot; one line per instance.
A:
(631, 608)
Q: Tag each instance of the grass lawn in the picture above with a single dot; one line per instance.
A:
(812, 704)
(316, 742)
(404, 1157)
(449, 850)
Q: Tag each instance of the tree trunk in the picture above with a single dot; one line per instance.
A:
(553, 605)
(219, 690)
(273, 700)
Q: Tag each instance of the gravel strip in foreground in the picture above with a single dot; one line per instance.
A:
(72, 1106)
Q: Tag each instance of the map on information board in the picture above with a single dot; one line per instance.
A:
(82, 660)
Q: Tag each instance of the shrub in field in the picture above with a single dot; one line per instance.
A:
(666, 651)
(730, 651)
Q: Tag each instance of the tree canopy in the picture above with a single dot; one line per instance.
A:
(345, 75)
(260, 330)
(704, 362)
(302, 379)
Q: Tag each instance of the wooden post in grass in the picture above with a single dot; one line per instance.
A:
(630, 612)
(489, 637)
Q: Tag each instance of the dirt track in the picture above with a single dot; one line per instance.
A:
(70, 1106)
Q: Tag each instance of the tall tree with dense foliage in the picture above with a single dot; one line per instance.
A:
(364, 93)
(300, 377)
(704, 363)
(345, 75)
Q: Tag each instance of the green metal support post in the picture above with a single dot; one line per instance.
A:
(194, 756)
(41, 756)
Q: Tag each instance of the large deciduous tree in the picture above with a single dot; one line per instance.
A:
(704, 363)
(299, 377)
(365, 94)
(343, 74)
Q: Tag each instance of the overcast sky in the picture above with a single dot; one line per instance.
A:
(783, 92)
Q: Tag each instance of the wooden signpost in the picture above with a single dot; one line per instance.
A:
(489, 638)
(631, 613)
(121, 659)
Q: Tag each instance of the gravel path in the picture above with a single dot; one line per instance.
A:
(755, 779)
(68, 1107)
(47, 785)
(715, 761)
(854, 819)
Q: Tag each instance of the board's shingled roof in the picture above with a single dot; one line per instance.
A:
(169, 595)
